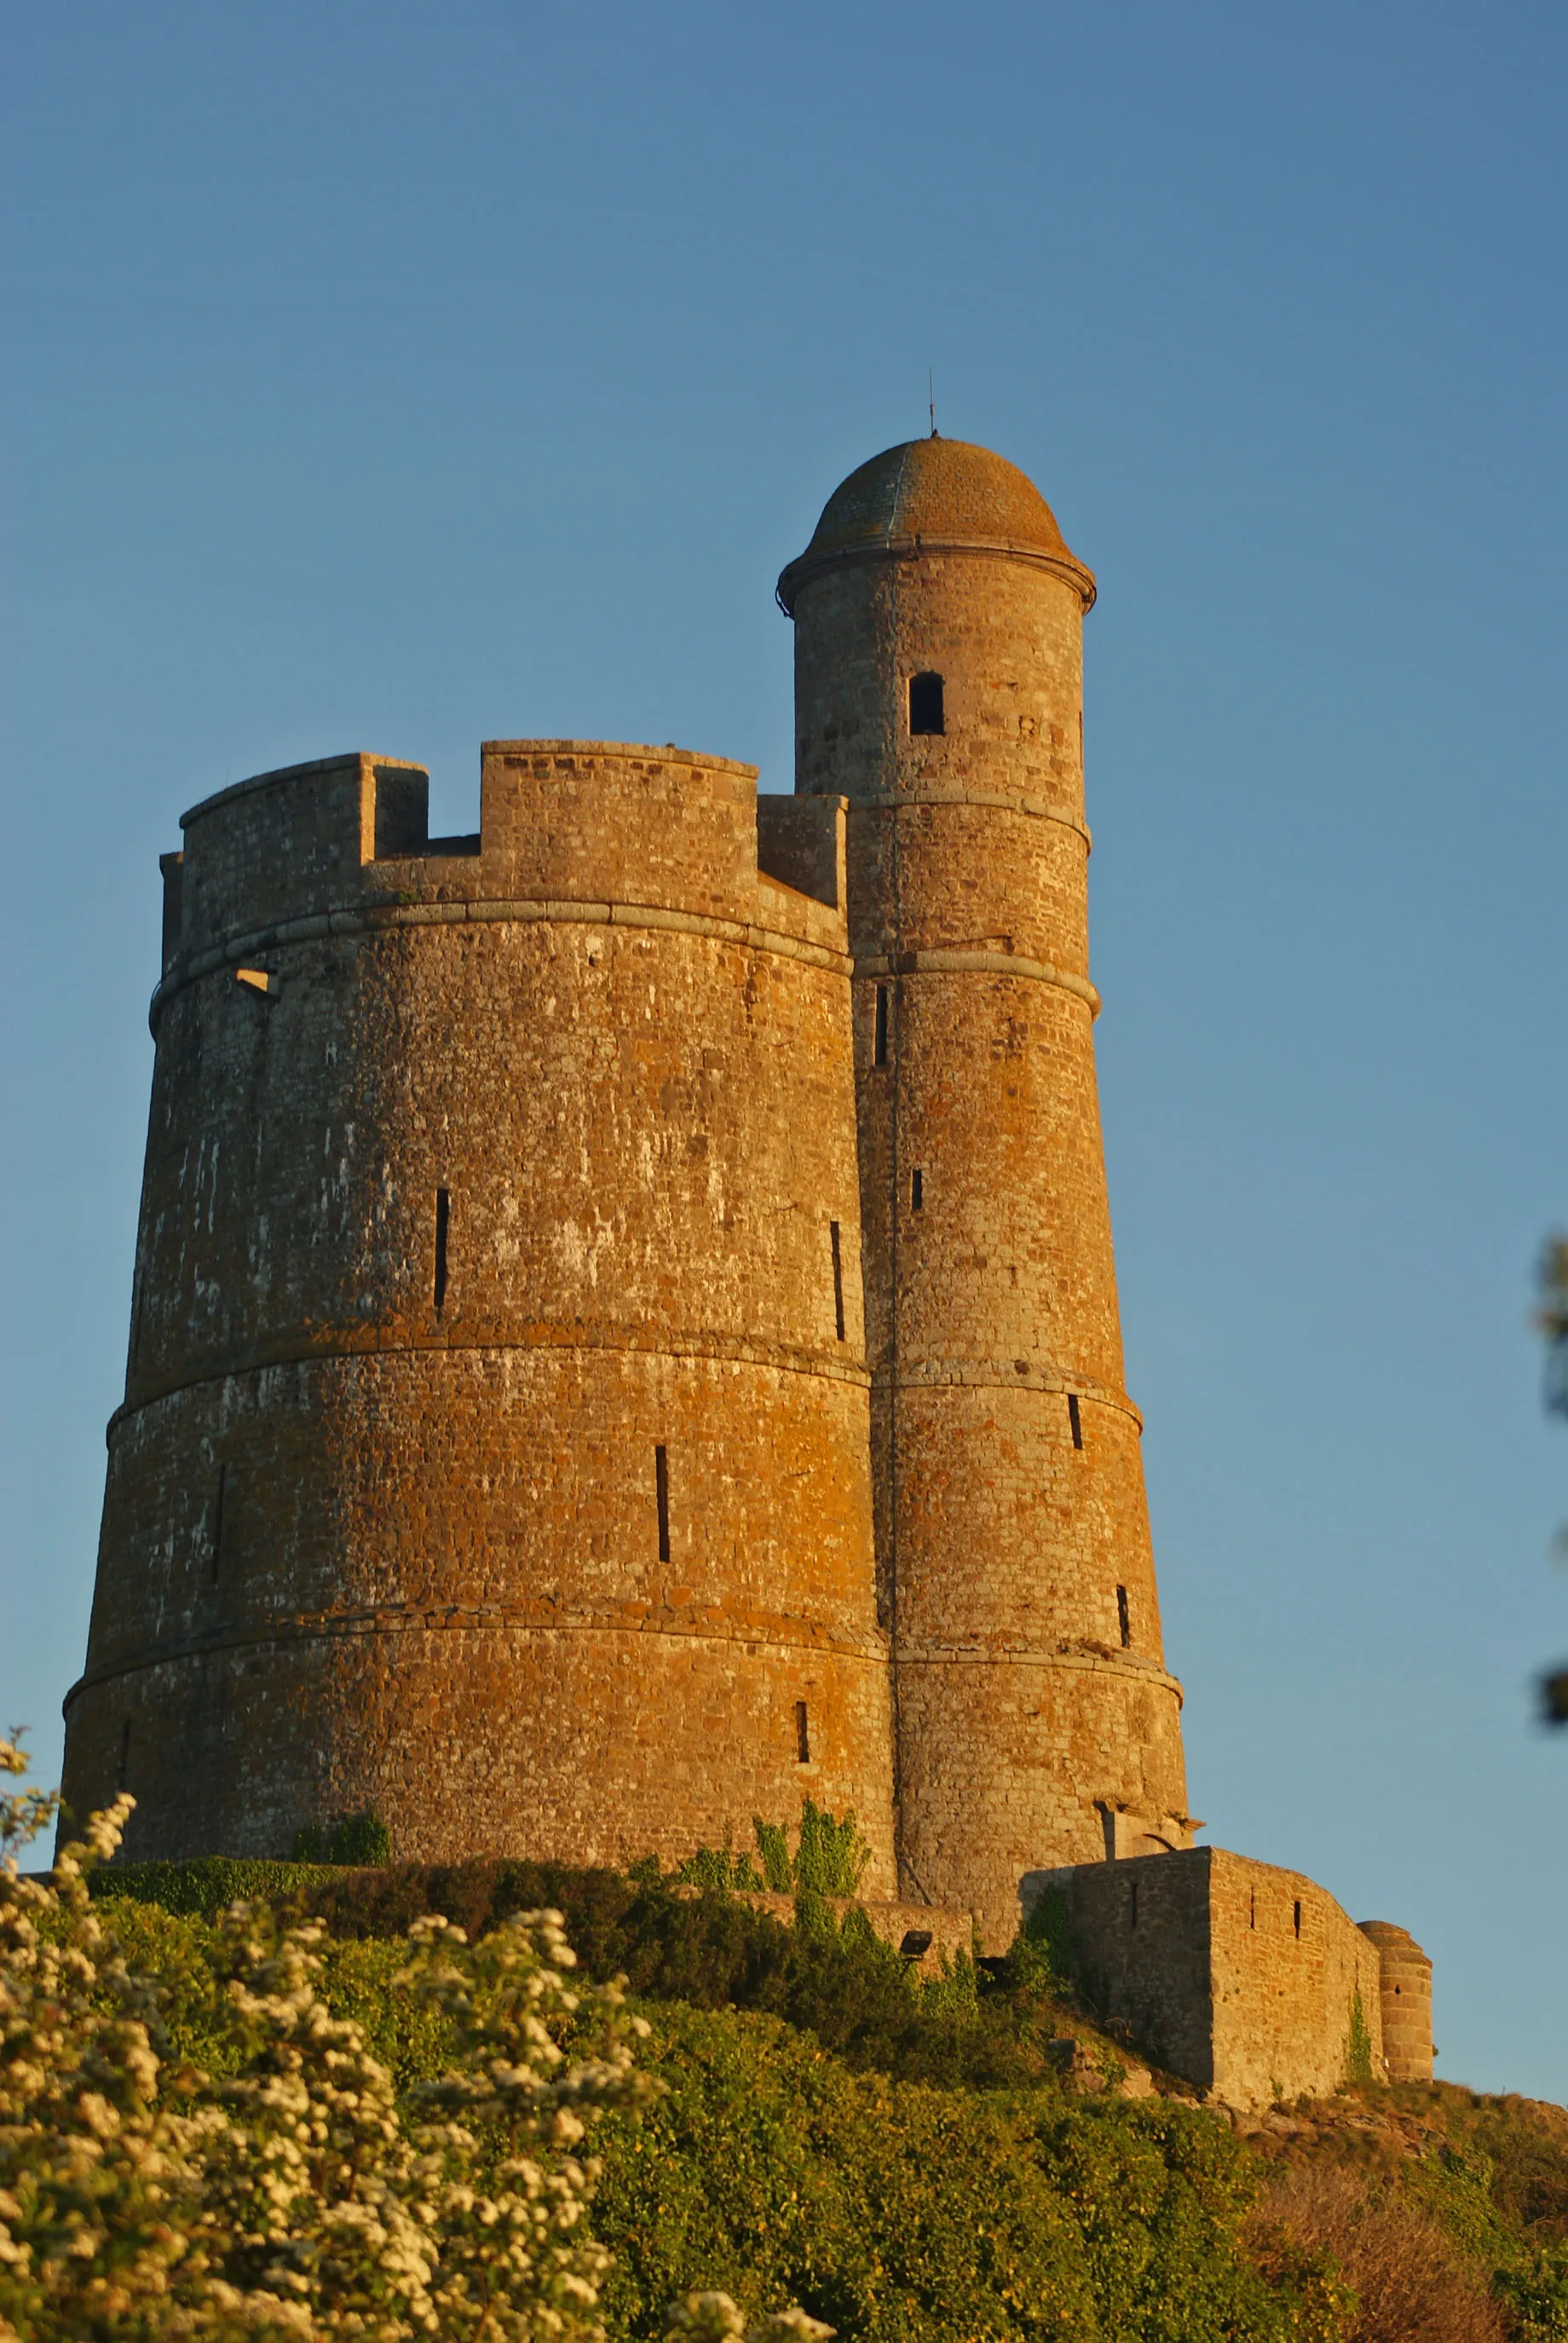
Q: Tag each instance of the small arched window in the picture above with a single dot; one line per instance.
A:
(926, 704)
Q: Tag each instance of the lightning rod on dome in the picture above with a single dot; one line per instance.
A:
(931, 389)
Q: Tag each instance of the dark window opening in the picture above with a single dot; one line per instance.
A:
(1075, 1419)
(802, 1734)
(214, 1544)
(443, 1222)
(1134, 1915)
(1298, 1916)
(1252, 1911)
(662, 1498)
(926, 704)
(880, 1044)
(916, 1192)
(837, 1280)
(125, 1772)
(1123, 1618)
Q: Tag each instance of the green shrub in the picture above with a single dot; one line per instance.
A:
(1358, 2044)
(1046, 1950)
(833, 1978)
(359, 1839)
(833, 1855)
(717, 1868)
(1534, 2296)
(209, 1885)
(773, 1845)
(829, 1860)
(901, 2214)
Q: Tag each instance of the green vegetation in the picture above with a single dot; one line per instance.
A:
(830, 1859)
(898, 2155)
(833, 1980)
(359, 1839)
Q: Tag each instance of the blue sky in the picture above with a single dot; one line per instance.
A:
(393, 376)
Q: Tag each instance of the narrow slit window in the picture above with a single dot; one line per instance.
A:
(838, 1279)
(1253, 1909)
(1123, 1616)
(125, 1772)
(1133, 1915)
(802, 1734)
(917, 1190)
(879, 1035)
(1075, 1419)
(662, 1498)
(1298, 1916)
(215, 1543)
(443, 1224)
(926, 704)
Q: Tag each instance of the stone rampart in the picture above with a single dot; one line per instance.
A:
(1250, 1981)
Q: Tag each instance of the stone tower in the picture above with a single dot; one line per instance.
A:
(625, 1334)
(494, 1453)
(939, 688)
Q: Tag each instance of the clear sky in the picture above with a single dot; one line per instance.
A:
(390, 376)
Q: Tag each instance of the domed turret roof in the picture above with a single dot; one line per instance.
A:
(935, 495)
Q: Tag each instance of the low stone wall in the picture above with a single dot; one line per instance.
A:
(1250, 1981)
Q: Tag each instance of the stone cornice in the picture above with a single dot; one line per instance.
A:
(807, 567)
(909, 1654)
(334, 1344)
(980, 963)
(997, 1374)
(953, 793)
(232, 949)
(715, 1625)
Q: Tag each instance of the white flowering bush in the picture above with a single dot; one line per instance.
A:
(295, 2195)
(717, 2318)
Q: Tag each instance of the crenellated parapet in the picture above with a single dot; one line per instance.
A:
(592, 830)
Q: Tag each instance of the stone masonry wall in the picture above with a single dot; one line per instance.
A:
(1406, 1975)
(1243, 1977)
(495, 1447)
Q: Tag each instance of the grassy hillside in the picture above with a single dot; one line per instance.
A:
(903, 2158)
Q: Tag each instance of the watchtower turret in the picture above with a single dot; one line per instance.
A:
(939, 688)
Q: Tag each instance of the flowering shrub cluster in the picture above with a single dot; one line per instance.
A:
(289, 2192)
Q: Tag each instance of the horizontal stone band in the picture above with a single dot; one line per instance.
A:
(1001, 1374)
(978, 964)
(808, 566)
(367, 919)
(869, 1646)
(1111, 1663)
(381, 1343)
(949, 793)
